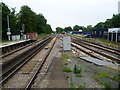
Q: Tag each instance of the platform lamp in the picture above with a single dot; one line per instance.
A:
(8, 31)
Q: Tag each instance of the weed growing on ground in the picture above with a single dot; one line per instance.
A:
(67, 69)
(96, 69)
(67, 75)
(79, 75)
(106, 84)
(103, 75)
(86, 70)
(71, 83)
(108, 69)
(77, 69)
(65, 57)
(95, 72)
(116, 77)
(78, 60)
(82, 86)
(95, 78)
(88, 66)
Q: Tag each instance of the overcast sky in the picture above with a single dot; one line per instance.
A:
(63, 13)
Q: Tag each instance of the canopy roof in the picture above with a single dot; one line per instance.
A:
(114, 30)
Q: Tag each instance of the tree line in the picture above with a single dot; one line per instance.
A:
(114, 22)
(26, 17)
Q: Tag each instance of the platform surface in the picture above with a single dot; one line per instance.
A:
(5, 44)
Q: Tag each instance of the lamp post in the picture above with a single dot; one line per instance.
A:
(22, 31)
(8, 33)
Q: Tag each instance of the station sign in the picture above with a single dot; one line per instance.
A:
(8, 33)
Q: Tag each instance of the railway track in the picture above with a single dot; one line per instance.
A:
(116, 50)
(96, 51)
(108, 53)
(15, 64)
(8, 56)
(41, 71)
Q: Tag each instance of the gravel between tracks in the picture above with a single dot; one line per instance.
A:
(20, 79)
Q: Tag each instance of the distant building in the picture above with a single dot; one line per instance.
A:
(99, 33)
(76, 32)
(32, 35)
(119, 7)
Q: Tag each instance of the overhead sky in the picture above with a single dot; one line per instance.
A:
(63, 13)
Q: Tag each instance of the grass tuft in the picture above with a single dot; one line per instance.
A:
(77, 69)
(107, 84)
(116, 77)
(71, 83)
(42, 35)
(65, 57)
(79, 75)
(82, 86)
(103, 75)
(67, 69)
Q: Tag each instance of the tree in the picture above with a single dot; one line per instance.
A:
(108, 23)
(5, 12)
(89, 28)
(28, 18)
(77, 28)
(66, 29)
(59, 29)
(48, 29)
(33, 22)
(13, 22)
(100, 25)
(41, 24)
(115, 21)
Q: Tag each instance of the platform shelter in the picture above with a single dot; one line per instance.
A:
(114, 34)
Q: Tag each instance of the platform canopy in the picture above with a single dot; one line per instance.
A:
(116, 30)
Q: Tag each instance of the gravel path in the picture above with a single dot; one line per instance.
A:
(56, 78)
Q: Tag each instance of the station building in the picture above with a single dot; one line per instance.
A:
(114, 34)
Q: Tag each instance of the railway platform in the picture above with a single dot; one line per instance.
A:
(12, 45)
